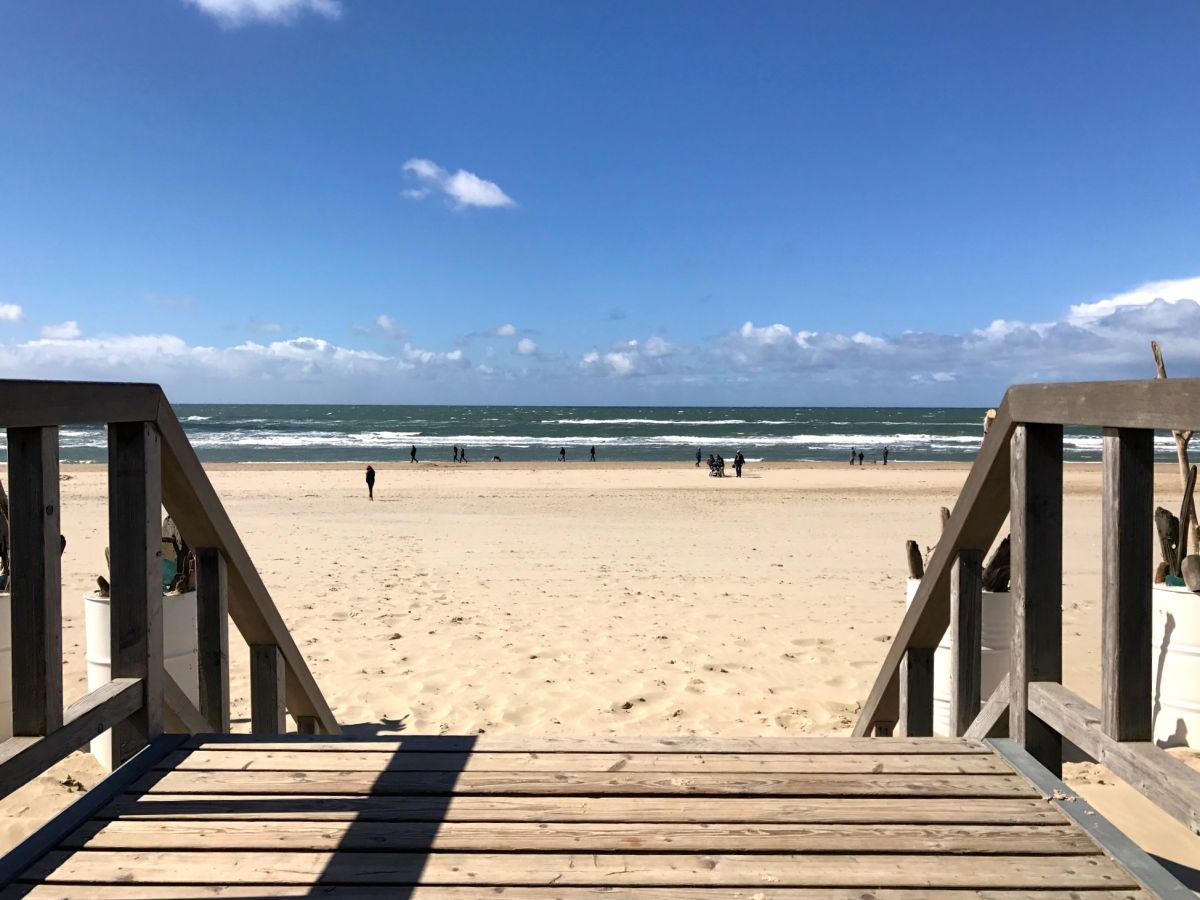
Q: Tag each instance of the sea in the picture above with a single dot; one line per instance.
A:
(300, 434)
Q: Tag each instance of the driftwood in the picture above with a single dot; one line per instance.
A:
(916, 565)
(1191, 526)
(1160, 573)
(1187, 513)
(1190, 571)
(997, 573)
(1168, 539)
(102, 587)
(945, 515)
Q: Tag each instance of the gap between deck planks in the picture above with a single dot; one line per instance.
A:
(680, 744)
(647, 810)
(423, 761)
(567, 783)
(1061, 840)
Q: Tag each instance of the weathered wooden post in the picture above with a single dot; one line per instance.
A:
(135, 538)
(267, 690)
(36, 577)
(966, 631)
(916, 692)
(1126, 665)
(1036, 499)
(212, 633)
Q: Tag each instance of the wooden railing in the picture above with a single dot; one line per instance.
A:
(1018, 473)
(151, 465)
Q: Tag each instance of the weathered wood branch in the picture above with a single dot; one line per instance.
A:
(997, 573)
(1190, 530)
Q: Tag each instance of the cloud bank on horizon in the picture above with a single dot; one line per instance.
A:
(748, 363)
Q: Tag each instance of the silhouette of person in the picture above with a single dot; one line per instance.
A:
(456, 452)
(370, 483)
(412, 454)
(860, 458)
(738, 462)
(886, 450)
(853, 453)
(462, 454)
(699, 456)
(562, 454)
(593, 459)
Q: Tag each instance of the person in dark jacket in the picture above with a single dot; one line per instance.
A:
(738, 462)
(370, 483)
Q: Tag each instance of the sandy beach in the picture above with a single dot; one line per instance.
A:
(578, 599)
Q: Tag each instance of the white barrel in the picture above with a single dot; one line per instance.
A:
(180, 652)
(1176, 665)
(996, 633)
(5, 666)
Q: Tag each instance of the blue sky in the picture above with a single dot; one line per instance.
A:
(767, 203)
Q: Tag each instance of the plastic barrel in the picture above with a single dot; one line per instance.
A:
(1176, 665)
(996, 634)
(180, 653)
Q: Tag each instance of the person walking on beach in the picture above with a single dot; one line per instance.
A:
(370, 483)
(860, 458)
(853, 454)
(738, 462)
(412, 454)
(456, 452)
(699, 456)
(562, 454)
(886, 450)
(593, 457)
(462, 454)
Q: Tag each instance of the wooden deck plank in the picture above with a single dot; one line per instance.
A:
(604, 869)
(363, 892)
(840, 810)
(420, 761)
(534, 744)
(597, 837)
(566, 783)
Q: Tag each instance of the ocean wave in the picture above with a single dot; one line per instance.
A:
(196, 418)
(648, 422)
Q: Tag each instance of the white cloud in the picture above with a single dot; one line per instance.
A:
(1171, 291)
(463, 187)
(506, 330)
(235, 13)
(66, 331)
(526, 347)
(631, 357)
(10, 312)
(390, 327)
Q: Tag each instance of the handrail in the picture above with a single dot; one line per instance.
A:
(151, 465)
(1018, 470)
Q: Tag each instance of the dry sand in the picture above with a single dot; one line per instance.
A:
(584, 599)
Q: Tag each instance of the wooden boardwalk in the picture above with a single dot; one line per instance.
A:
(675, 819)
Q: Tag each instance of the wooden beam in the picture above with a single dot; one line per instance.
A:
(992, 720)
(24, 758)
(1036, 516)
(966, 625)
(212, 627)
(916, 693)
(1127, 611)
(1169, 405)
(179, 713)
(1128, 855)
(1166, 781)
(267, 713)
(36, 581)
(978, 514)
(306, 724)
(32, 404)
(135, 536)
(194, 505)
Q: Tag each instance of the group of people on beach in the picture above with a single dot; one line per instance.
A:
(856, 453)
(716, 463)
